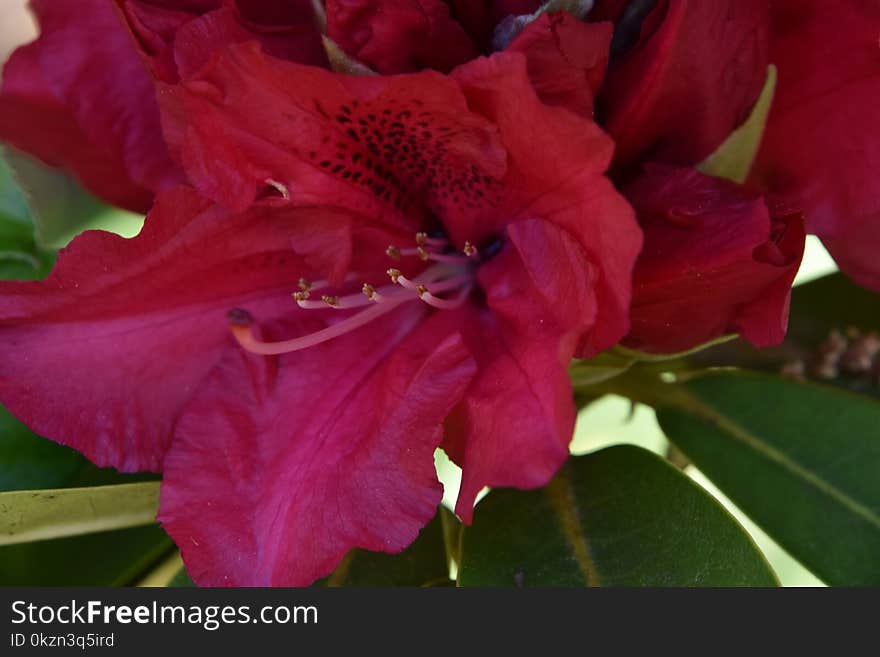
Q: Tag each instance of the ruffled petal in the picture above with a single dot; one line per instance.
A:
(281, 466)
(714, 263)
(400, 36)
(105, 86)
(396, 148)
(104, 354)
(567, 59)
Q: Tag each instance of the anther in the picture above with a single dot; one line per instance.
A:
(469, 250)
(369, 291)
(423, 253)
(333, 302)
(304, 285)
(239, 317)
(395, 275)
(393, 252)
(301, 295)
(421, 290)
(421, 239)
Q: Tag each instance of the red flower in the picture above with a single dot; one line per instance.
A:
(401, 36)
(714, 262)
(512, 248)
(821, 151)
(683, 75)
(82, 95)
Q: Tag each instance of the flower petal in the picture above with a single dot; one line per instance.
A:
(280, 467)
(35, 120)
(688, 83)
(391, 147)
(567, 59)
(399, 36)
(713, 263)
(103, 354)
(107, 91)
(821, 149)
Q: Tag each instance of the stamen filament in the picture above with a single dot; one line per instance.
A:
(446, 304)
(240, 325)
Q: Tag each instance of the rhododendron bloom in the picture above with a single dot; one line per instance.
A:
(714, 261)
(372, 267)
(82, 95)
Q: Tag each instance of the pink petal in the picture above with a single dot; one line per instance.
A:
(280, 467)
(104, 354)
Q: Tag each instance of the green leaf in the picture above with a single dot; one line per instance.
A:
(30, 515)
(618, 517)
(20, 257)
(734, 158)
(29, 462)
(114, 558)
(802, 461)
(424, 563)
(181, 580)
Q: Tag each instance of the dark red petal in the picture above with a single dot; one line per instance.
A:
(567, 59)
(103, 83)
(821, 150)
(713, 263)
(179, 42)
(103, 355)
(34, 120)
(560, 182)
(546, 146)
(280, 467)
(543, 293)
(687, 85)
(399, 36)
(392, 147)
(516, 421)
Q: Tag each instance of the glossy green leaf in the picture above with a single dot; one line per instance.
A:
(32, 515)
(803, 461)
(618, 517)
(424, 563)
(114, 558)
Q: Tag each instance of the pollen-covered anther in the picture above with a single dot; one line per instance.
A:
(370, 292)
(421, 290)
(394, 274)
(421, 239)
(304, 285)
(331, 301)
(424, 254)
(392, 252)
(302, 295)
(469, 250)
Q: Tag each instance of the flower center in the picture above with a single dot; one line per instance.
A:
(445, 284)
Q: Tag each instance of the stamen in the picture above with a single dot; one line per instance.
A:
(395, 275)
(446, 304)
(301, 296)
(469, 250)
(333, 302)
(392, 252)
(423, 253)
(240, 324)
(304, 285)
